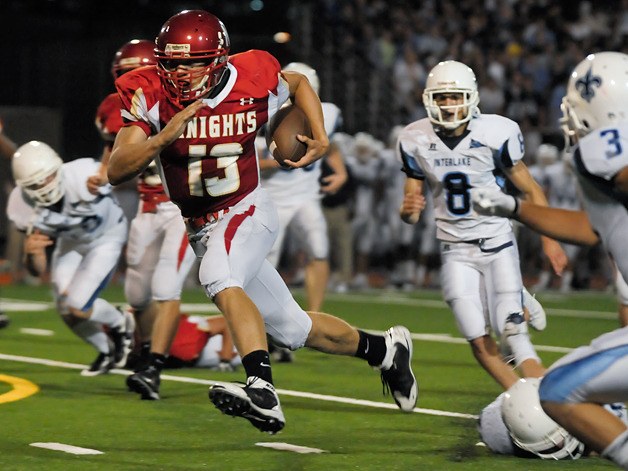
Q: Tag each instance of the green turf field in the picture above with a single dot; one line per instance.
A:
(332, 404)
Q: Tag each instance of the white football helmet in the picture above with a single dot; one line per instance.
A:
(306, 70)
(35, 167)
(546, 154)
(531, 428)
(597, 94)
(451, 77)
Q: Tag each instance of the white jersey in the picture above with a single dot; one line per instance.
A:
(292, 186)
(562, 190)
(490, 144)
(83, 217)
(599, 156)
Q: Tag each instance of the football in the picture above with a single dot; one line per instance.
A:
(281, 135)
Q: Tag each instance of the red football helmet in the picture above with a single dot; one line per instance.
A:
(192, 51)
(135, 53)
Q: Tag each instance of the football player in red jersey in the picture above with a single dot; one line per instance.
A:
(199, 111)
(158, 254)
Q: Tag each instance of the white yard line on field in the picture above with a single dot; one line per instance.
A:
(74, 450)
(285, 392)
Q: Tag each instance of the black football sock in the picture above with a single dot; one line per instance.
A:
(371, 348)
(257, 364)
(145, 351)
(158, 361)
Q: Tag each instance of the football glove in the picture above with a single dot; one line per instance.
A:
(494, 203)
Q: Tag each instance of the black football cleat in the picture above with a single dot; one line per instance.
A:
(256, 401)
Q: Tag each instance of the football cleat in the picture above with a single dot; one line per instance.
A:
(146, 383)
(538, 318)
(101, 365)
(256, 401)
(396, 369)
(123, 339)
(4, 320)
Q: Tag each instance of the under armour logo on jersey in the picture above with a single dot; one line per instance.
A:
(432, 146)
(475, 144)
(246, 101)
(585, 85)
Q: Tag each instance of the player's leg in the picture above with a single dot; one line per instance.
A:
(311, 226)
(233, 249)
(575, 386)
(65, 263)
(462, 290)
(291, 327)
(228, 266)
(622, 298)
(142, 254)
(503, 281)
(285, 213)
(81, 273)
(174, 261)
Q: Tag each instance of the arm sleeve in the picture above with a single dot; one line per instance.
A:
(508, 144)
(410, 166)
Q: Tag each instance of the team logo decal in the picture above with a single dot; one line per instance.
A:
(585, 85)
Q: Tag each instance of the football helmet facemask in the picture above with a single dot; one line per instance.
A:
(531, 429)
(597, 94)
(192, 51)
(306, 70)
(135, 53)
(36, 170)
(451, 77)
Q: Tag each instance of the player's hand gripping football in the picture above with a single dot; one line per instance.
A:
(494, 203)
(315, 150)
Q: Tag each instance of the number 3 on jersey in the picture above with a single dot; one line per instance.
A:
(613, 141)
(457, 194)
(226, 158)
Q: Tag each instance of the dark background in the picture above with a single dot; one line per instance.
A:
(56, 55)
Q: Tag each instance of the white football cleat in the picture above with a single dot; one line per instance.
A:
(538, 318)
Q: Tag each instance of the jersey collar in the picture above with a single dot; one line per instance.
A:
(233, 76)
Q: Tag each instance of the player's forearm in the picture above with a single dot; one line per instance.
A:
(561, 224)
(336, 162)
(36, 264)
(128, 160)
(306, 99)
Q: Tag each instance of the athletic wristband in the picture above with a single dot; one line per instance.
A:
(515, 211)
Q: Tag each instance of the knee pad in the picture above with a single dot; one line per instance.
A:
(293, 331)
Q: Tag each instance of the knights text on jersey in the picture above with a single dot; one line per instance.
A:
(492, 142)
(213, 164)
(83, 217)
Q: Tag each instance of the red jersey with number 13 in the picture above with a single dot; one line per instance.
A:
(212, 165)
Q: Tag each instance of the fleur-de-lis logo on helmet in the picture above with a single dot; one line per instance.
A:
(585, 85)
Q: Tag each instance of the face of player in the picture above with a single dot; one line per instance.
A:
(191, 74)
(450, 106)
